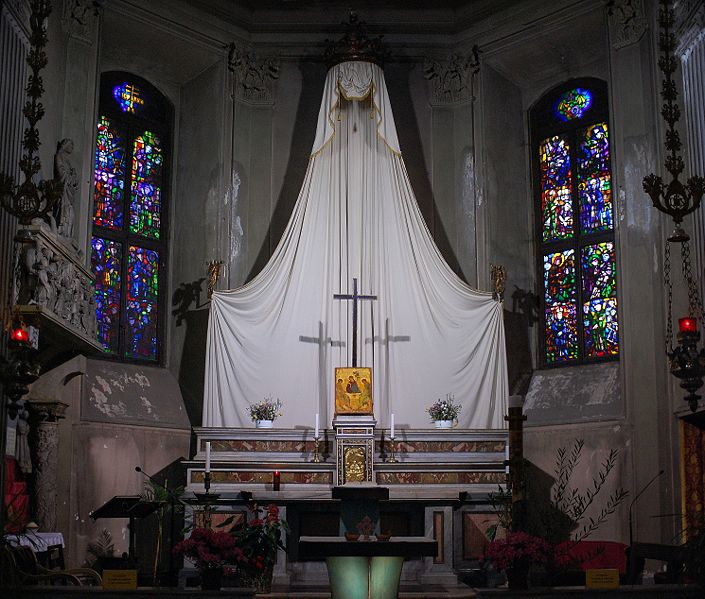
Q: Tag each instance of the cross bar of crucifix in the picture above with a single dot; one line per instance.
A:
(355, 297)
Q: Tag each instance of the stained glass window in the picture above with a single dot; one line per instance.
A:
(128, 247)
(573, 103)
(145, 202)
(576, 225)
(142, 296)
(556, 201)
(106, 257)
(109, 175)
(594, 179)
(128, 96)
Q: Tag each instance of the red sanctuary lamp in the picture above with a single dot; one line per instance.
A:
(19, 334)
(686, 362)
(688, 324)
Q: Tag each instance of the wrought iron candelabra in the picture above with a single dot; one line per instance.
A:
(677, 199)
(30, 200)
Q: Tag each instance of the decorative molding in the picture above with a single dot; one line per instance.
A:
(255, 76)
(19, 11)
(79, 19)
(450, 80)
(689, 26)
(627, 22)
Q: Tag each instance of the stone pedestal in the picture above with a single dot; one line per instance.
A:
(47, 448)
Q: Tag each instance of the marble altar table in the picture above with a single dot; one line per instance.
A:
(362, 569)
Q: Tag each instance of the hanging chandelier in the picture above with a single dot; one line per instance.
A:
(30, 200)
(678, 199)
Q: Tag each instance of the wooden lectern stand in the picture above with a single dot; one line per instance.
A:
(126, 506)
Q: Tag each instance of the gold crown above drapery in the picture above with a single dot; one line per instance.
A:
(354, 45)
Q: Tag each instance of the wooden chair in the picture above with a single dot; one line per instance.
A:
(23, 568)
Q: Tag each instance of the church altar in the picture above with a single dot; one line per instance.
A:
(432, 469)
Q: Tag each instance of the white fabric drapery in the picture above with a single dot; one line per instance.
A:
(428, 334)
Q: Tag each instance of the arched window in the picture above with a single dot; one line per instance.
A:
(575, 224)
(129, 243)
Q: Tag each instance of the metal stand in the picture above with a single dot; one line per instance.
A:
(316, 459)
(392, 457)
(207, 499)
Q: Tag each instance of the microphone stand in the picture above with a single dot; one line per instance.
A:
(172, 533)
(632, 558)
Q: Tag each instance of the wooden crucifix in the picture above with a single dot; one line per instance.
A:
(354, 297)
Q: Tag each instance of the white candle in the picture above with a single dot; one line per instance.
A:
(316, 434)
(391, 433)
(506, 458)
(208, 456)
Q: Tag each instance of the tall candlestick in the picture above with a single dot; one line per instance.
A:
(208, 456)
(391, 432)
(317, 433)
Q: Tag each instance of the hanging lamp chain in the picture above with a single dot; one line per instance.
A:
(695, 305)
(669, 294)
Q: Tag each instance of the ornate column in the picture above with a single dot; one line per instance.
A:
(47, 446)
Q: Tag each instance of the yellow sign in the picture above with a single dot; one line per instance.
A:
(119, 580)
(607, 578)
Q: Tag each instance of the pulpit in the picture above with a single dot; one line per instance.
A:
(363, 569)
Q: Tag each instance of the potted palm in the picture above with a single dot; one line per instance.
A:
(264, 412)
(444, 412)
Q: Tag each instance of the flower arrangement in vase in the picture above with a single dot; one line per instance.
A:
(515, 554)
(259, 539)
(265, 412)
(444, 411)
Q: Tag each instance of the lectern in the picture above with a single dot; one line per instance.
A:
(126, 506)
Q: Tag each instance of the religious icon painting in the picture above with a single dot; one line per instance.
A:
(353, 391)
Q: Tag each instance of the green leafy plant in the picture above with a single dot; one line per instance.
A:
(102, 547)
(167, 499)
(501, 503)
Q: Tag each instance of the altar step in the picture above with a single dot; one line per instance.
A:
(406, 591)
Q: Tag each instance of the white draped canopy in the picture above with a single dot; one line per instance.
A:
(427, 335)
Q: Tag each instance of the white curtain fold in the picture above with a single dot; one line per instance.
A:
(428, 334)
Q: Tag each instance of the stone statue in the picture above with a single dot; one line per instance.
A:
(66, 173)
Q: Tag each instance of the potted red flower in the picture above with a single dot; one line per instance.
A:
(211, 551)
(515, 554)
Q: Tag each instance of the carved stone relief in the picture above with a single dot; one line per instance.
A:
(255, 76)
(450, 80)
(50, 274)
(627, 22)
(79, 19)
